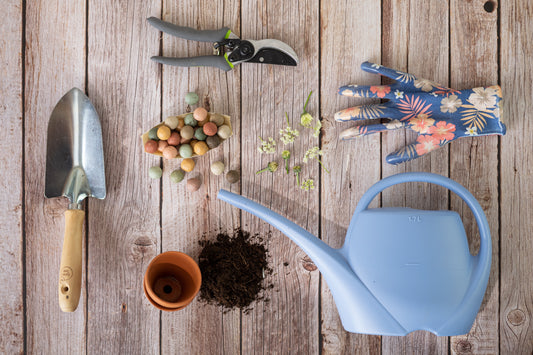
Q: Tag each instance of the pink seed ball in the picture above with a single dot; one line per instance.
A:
(210, 129)
(151, 146)
(162, 145)
(200, 114)
(170, 152)
(174, 139)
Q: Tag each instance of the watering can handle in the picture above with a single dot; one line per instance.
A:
(443, 181)
(481, 272)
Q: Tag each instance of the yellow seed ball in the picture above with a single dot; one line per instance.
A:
(187, 164)
(181, 123)
(163, 133)
(201, 148)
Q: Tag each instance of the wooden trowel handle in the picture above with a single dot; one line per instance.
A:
(70, 270)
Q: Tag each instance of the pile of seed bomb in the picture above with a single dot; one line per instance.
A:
(197, 133)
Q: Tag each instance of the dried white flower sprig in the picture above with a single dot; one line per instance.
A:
(308, 184)
(267, 146)
(314, 153)
(288, 134)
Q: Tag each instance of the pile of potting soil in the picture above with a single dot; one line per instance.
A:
(233, 270)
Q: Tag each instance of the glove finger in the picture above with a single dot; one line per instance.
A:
(397, 75)
(366, 130)
(423, 145)
(368, 112)
(373, 91)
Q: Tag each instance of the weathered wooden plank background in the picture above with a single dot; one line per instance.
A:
(103, 47)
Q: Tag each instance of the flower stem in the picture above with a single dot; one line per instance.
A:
(287, 119)
(326, 169)
(261, 171)
(307, 101)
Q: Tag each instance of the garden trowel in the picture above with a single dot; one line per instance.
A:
(74, 169)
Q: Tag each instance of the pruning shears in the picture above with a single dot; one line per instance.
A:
(229, 49)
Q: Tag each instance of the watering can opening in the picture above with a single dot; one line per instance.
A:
(400, 269)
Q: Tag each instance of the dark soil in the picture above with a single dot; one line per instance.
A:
(233, 270)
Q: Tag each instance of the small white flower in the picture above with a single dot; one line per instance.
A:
(393, 124)
(471, 131)
(376, 66)
(450, 104)
(433, 94)
(288, 135)
(312, 153)
(308, 184)
(316, 128)
(398, 94)
(267, 146)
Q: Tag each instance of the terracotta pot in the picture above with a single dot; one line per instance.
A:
(172, 280)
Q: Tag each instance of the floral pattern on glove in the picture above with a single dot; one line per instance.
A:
(437, 113)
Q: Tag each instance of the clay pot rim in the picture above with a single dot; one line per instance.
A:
(162, 304)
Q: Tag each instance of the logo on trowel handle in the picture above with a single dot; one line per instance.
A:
(66, 273)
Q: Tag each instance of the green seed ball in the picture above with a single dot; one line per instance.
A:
(232, 176)
(190, 121)
(224, 132)
(199, 134)
(185, 151)
(177, 176)
(152, 134)
(217, 168)
(187, 132)
(155, 172)
(213, 142)
(191, 98)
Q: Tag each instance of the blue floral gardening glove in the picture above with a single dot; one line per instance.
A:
(439, 114)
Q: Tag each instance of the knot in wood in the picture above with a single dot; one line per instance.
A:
(516, 317)
(463, 347)
(308, 264)
(141, 247)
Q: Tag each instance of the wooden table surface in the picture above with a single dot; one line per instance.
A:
(104, 48)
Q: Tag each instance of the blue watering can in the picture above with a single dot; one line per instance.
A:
(400, 269)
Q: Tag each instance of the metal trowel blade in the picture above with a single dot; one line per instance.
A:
(74, 152)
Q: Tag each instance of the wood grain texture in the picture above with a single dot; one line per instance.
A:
(516, 300)
(11, 232)
(288, 322)
(355, 163)
(451, 42)
(474, 162)
(55, 62)
(427, 50)
(192, 216)
(124, 229)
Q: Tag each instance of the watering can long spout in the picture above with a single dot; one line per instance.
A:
(351, 296)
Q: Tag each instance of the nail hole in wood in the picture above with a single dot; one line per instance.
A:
(489, 6)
